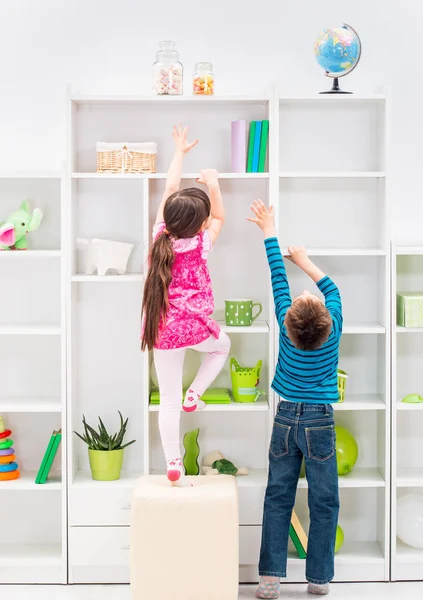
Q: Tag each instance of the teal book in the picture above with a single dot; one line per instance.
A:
(251, 147)
(256, 147)
(263, 145)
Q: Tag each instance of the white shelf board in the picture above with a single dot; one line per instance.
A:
(262, 405)
(341, 251)
(407, 554)
(27, 482)
(359, 328)
(30, 330)
(333, 99)
(409, 250)
(400, 329)
(23, 254)
(359, 552)
(332, 174)
(256, 327)
(164, 176)
(409, 406)
(105, 99)
(30, 555)
(127, 278)
(360, 402)
(359, 478)
(30, 405)
(30, 175)
(409, 477)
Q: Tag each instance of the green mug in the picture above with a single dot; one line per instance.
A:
(239, 313)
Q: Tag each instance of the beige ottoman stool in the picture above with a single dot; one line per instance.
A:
(184, 540)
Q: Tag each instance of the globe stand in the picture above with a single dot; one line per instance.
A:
(335, 88)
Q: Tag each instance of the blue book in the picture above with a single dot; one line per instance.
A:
(256, 150)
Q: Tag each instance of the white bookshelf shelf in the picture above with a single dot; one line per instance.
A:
(128, 278)
(333, 99)
(27, 482)
(342, 252)
(332, 174)
(409, 330)
(407, 554)
(30, 555)
(361, 402)
(30, 175)
(358, 478)
(363, 328)
(261, 405)
(33, 254)
(409, 250)
(409, 477)
(191, 101)
(30, 405)
(256, 327)
(30, 330)
(162, 176)
(408, 406)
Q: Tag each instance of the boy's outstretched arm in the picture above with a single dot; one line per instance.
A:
(210, 178)
(263, 217)
(298, 255)
(174, 173)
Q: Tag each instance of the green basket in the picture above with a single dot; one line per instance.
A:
(245, 381)
(342, 381)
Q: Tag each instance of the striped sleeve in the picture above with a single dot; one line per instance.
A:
(280, 285)
(332, 301)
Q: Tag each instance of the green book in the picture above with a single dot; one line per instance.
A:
(210, 396)
(49, 456)
(263, 145)
(251, 147)
(296, 541)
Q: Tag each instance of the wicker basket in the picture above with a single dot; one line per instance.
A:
(126, 158)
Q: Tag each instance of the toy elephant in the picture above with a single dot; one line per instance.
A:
(14, 231)
(104, 255)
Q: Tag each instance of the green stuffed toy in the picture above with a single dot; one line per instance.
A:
(215, 463)
(14, 231)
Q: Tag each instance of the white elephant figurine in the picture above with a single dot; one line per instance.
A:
(104, 255)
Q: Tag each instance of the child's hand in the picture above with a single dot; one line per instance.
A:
(180, 139)
(298, 255)
(263, 218)
(209, 177)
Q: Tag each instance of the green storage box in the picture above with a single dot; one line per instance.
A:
(210, 396)
(410, 309)
(245, 381)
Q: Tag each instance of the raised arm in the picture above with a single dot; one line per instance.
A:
(210, 178)
(263, 217)
(174, 173)
(298, 255)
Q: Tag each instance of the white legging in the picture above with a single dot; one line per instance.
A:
(169, 367)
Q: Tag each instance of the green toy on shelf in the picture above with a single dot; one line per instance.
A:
(192, 451)
(9, 468)
(245, 381)
(215, 463)
(14, 231)
(342, 381)
(412, 399)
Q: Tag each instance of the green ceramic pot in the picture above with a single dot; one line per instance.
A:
(105, 466)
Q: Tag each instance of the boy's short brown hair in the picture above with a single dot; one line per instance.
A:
(308, 324)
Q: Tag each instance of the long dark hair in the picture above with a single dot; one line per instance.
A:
(184, 214)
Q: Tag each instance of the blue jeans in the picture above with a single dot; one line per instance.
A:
(301, 429)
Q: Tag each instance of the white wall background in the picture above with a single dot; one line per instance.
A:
(108, 46)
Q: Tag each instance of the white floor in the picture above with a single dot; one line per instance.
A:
(345, 591)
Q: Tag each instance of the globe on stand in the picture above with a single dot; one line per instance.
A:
(338, 51)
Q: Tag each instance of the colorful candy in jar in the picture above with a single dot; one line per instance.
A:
(203, 80)
(168, 81)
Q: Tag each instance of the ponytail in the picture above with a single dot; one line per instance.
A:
(155, 300)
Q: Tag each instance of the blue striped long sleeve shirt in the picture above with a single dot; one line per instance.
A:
(304, 375)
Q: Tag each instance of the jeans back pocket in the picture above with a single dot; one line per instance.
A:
(279, 442)
(320, 442)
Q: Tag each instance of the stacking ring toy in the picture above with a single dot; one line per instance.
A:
(5, 460)
(8, 468)
(6, 444)
(5, 433)
(7, 452)
(10, 476)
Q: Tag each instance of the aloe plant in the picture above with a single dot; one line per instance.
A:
(101, 439)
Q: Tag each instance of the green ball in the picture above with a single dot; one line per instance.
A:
(346, 450)
(339, 538)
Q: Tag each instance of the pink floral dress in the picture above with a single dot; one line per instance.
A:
(191, 301)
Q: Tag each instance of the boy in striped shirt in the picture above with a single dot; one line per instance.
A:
(306, 382)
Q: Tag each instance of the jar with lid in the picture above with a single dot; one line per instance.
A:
(167, 71)
(203, 79)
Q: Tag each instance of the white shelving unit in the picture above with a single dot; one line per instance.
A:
(32, 400)
(407, 419)
(333, 198)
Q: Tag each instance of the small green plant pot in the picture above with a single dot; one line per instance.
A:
(105, 465)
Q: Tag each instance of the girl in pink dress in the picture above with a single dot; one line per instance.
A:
(178, 298)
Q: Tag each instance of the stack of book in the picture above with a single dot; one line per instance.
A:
(49, 457)
(253, 161)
